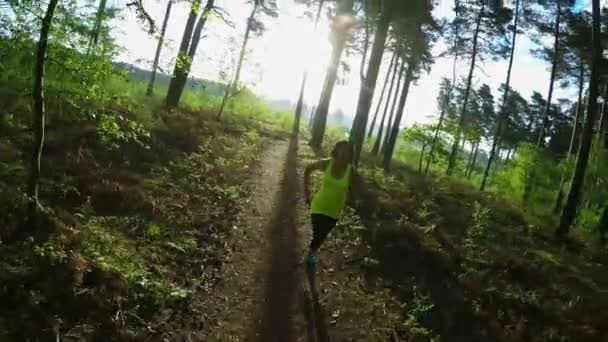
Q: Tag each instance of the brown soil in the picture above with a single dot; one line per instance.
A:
(263, 294)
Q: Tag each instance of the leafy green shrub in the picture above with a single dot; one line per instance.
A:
(115, 129)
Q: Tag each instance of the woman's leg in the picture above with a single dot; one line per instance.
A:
(321, 226)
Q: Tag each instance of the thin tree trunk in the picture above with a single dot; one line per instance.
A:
(434, 143)
(541, 135)
(441, 119)
(179, 78)
(38, 104)
(570, 209)
(159, 47)
(368, 86)
(540, 142)
(462, 120)
(320, 123)
(198, 30)
(300, 103)
(474, 161)
(101, 11)
(239, 66)
(579, 110)
(508, 157)
(447, 99)
(312, 117)
(362, 75)
(421, 159)
(394, 132)
(466, 170)
(390, 122)
(396, 71)
(382, 93)
(503, 112)
(560, 190)
(195, 40)
(602, 122)
(498, 158)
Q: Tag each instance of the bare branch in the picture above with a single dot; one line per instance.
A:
(143, 15)
(223, 16)
(481, 69)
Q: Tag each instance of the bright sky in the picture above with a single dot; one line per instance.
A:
(277, 59)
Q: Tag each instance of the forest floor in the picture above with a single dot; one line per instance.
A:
(260, 289)
(194, 235)
(264, 296)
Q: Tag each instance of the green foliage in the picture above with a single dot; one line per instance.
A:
(481, 223)
(380, 177)
(115, 129)
(153, 230)
(419, 310)
(11, 170)
(421, 134)
(51, 251)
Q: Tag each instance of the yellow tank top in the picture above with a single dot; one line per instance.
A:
(330, 199)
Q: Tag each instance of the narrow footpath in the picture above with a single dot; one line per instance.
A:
(263, 296)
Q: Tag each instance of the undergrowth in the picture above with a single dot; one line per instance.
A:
(140, 207)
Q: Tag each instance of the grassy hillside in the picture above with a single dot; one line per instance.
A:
(162, 80)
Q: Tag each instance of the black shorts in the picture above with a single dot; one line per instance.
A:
(321, 226)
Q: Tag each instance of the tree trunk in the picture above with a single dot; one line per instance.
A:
(239, 66)
(38, 103)
(180, 76)
(508, 157)
(434, 143)
(579, 110)
(447, 99)
(101, 11)
(421, 159)
(474, 161)
(602, 122)
(498, 158)
(466, 170)
(300, 103)
(368, 86)
(394, 132)
(198, 30)
(389, 123)
(382, 93)
(396, 71)
(541, 135)
(159, 47)
(570, 209)
(467, 92)
(339, 43)
(573, 141)
(312, 117)
(441, 119)
(503, 112)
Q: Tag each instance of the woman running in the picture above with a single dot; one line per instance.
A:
(330, 198)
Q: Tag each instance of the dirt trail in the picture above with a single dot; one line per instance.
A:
(261, 297)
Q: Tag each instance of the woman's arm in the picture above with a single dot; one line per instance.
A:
(318, 165)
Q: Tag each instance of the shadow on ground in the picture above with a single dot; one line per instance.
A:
(282, 282)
